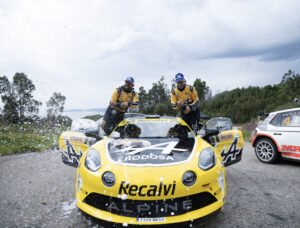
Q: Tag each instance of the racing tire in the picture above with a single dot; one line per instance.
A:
(266, 151)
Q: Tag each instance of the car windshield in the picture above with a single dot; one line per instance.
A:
(152, 128)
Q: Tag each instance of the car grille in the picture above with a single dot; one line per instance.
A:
(150, 208)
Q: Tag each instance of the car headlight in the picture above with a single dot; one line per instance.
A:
(92, 160)
(207, 159)
(108, 179)
(189, 178)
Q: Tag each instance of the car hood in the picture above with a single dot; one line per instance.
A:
(150, 151)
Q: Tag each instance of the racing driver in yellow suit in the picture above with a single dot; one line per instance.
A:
(185, 98)
(122, 98)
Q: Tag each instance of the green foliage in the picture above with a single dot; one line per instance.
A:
(55, 105)
(156, 100)
(17, 97)
(201, 88)
(18, 138)
(142, 98)
(241, 105)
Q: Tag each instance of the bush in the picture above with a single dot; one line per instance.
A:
(19, 138)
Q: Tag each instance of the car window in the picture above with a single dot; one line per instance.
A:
(290, 119)
(276, 121)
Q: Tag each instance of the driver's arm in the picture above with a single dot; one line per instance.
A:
(114, 98)
(135, 101)
(174, 100)
(195, 100)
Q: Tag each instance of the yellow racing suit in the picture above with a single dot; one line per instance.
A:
(114, 113)
(190, 98)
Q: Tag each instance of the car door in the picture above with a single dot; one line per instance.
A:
(229, 144)
(285, 129)
(73, 143)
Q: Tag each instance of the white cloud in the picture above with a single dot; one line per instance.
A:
(84, 49)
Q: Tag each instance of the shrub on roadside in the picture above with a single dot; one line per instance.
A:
(19, 138)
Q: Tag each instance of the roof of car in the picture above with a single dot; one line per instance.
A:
(286, 110)
(152, 117)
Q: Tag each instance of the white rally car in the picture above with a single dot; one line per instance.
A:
(278, 134)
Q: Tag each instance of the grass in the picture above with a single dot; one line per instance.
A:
(247, 129)
(19, 138)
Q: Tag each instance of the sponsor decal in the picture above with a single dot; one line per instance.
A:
(85, 140)
(147, 190)
(166, 148)
(232, 153)
(150, 152)
(290, 148)
(76, 139)
(141, 121)
(287, 121)
(150, 207)
(214, 140)
(71, 156)
(226, 137)
(146, 157)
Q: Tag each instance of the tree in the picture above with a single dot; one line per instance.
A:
(17, 98)
(55, 105)
(142, 98)
(201, 88)
(291, 84)
(243, 104)
(159, 92)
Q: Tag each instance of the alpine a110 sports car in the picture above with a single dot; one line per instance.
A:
(150, 170)
(278, 135)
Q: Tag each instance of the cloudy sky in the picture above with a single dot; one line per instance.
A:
(86, 48)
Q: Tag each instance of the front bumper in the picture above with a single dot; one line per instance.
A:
(148, 220)
(167, 210)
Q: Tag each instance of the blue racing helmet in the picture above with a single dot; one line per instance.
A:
(130, 80)
(179, 77)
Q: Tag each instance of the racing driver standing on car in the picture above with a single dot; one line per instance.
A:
(185, 98)
(122, 98)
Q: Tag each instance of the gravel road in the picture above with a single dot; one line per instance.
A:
(37, 190)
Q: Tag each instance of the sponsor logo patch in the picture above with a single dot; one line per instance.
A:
(290, 148)
(147, 157)
(226, 137)
(147, 190)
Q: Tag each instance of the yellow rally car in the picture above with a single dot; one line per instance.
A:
(151, 170)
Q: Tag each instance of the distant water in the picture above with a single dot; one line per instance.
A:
(80, 114)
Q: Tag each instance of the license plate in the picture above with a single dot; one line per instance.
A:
(151, 219)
